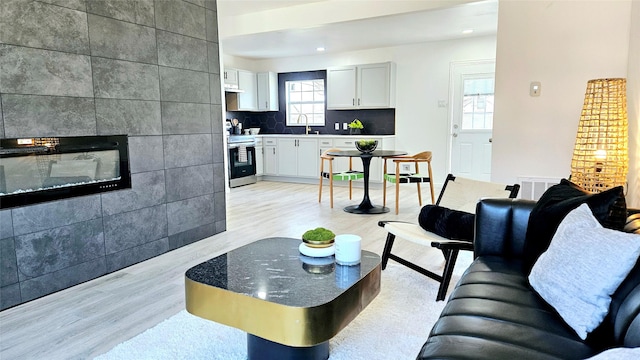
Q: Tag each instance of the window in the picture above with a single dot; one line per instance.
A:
(477, 104)
(305, 98)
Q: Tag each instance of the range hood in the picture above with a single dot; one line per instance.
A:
(233, 88)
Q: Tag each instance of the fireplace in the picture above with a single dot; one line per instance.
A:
(35, 170)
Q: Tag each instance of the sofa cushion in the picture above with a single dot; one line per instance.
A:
(584, 264)
(494, 314)
(608, 207)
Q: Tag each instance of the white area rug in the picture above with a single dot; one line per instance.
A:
(393, 326)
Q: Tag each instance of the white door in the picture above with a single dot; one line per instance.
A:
(471, 114)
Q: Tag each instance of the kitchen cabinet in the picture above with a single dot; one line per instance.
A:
(267, 89)
(298, 156)
(341, 87)
(270, 160)
(247, 99)
(370, 86)
(230, 78)
(324, 144)
(259, 157)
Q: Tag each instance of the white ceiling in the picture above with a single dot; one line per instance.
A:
(443, 23)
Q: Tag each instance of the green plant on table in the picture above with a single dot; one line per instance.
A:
(319, 234)
(356, 124)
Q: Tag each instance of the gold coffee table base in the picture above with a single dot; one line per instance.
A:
(264, 289)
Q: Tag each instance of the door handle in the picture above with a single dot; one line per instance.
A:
(490, 140)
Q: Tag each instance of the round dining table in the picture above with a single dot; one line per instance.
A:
(365, 206)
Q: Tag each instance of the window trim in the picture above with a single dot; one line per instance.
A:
(289, 121)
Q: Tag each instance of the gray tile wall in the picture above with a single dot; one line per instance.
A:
(148, 69)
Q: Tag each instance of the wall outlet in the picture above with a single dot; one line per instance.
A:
(336, 126)
(405, 168)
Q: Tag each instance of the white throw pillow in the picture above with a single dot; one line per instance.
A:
(618, 354)
(583, 266)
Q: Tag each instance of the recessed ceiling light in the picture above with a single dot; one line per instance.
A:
(320, 48)
(467, 31)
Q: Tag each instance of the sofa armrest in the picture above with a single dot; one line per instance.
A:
(501, 227)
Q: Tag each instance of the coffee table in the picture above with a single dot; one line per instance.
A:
(290, 305)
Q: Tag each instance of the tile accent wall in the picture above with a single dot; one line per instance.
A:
(148, 69)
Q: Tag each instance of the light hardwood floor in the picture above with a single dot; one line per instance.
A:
(91, 318)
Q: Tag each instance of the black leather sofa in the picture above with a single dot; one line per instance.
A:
(494, 314)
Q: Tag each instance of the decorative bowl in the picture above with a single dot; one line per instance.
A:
(366, 146)
(318, 243)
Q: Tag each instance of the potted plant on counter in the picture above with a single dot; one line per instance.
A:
(355, 127)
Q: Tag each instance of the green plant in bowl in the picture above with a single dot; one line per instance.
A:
(366, 145)
(318, 237)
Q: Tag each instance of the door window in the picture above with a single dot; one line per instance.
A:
(477, 103)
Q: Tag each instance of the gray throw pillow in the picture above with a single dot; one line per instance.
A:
(583, 266)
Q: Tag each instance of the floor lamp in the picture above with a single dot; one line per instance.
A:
(600, 156)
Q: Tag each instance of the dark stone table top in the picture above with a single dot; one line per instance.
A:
(273, 269)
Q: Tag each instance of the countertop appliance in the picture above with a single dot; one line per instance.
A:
(242, 160)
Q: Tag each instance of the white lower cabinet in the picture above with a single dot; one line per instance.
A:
(298, 157)
(270, 159)
(259, 158)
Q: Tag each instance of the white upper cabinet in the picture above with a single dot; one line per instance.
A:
(370, 86)
(267, 91)
(247, 99)
(341, 87)
(230, 77)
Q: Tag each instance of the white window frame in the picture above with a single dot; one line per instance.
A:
(313, 108)
(478, 108)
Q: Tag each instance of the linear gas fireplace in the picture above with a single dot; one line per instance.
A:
(34, 170)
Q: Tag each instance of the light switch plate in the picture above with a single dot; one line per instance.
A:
(344, 126)
(535, 88)
(336, 126)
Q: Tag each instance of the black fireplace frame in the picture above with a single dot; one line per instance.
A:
(66, 145)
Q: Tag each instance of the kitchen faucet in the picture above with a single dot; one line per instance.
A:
(306, 123)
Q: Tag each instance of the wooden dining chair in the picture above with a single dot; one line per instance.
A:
(416, 177)
(348, 175)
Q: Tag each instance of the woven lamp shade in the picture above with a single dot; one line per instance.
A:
(600, 156)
